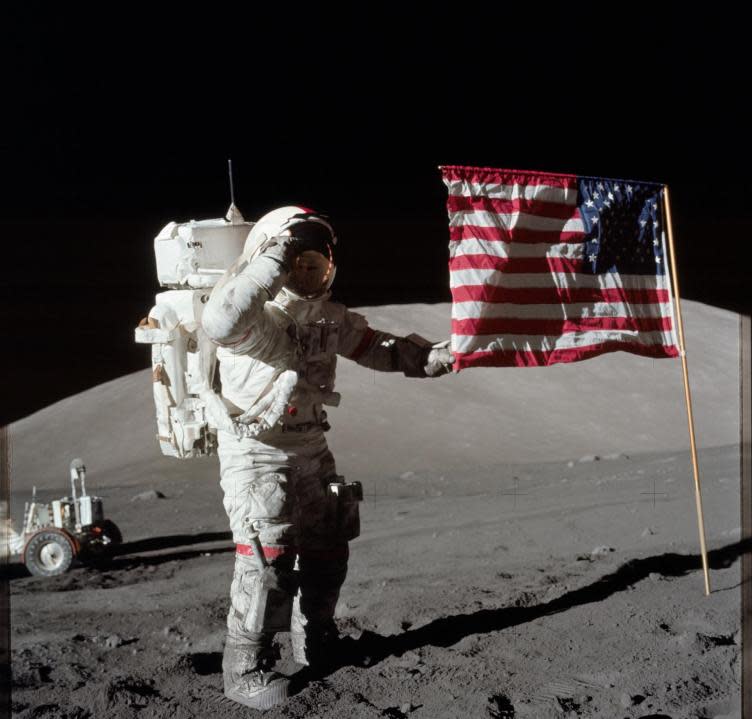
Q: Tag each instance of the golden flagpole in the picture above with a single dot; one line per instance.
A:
(687, 394)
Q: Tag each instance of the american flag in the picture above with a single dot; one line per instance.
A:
(547, 268)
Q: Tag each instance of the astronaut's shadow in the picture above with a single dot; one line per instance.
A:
(371, 648)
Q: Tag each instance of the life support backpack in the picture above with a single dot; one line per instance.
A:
(191, 258)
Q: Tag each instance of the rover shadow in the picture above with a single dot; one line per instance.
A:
(131, 562)
(152, 544)
(121, 556)
(125, 556)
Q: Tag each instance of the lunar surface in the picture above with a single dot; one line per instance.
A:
(529, 547)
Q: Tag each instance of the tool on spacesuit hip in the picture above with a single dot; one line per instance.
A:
(346, 491)
(270, 607)
(343, 505)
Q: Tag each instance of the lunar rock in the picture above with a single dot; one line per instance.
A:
(113, 641)
(147, 496)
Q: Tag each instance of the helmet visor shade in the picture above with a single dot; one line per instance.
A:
(313, 236)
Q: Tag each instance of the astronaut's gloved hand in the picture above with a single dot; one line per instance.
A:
(282, 248)
(216, 412)
(439, 360)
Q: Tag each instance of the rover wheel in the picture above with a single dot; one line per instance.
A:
(111, 531)
(48, 553)
(97, 545)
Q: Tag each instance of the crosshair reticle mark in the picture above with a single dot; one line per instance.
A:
(515, 493)
(654, 493)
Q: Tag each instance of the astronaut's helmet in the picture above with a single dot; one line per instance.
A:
(313, 271)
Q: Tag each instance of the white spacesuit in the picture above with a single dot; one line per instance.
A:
(278, 338)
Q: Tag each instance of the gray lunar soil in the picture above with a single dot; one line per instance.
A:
(529, 547)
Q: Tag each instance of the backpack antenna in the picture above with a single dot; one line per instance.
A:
(232, 185)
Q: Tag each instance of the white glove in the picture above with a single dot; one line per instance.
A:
(217, 413)
(265, 413)
(282, 248)
(439, 360)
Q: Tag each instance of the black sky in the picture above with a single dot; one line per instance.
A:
(115, 123)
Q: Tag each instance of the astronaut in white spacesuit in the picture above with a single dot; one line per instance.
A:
(278, 338)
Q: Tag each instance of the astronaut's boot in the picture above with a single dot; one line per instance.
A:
(316, 647)
(313, 633)
(246, 669)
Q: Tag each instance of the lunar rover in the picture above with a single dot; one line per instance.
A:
(55, 534)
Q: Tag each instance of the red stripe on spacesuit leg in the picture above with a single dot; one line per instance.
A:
(363, 346)
(269, 552)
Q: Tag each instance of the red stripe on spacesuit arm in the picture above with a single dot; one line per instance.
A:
(234, 342)
(363, 345)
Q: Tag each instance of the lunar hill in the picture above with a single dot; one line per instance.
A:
(529, 546)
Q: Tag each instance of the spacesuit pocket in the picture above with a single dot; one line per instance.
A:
(266, 497)
(269, 600)
(342, 508)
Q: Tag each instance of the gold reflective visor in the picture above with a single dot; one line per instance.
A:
(310, 273)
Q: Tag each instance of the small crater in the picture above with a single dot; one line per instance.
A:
(567, 704)
(500, 707)
(130, 691)
(30, 674)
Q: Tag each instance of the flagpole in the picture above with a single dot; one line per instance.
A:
(687, 394)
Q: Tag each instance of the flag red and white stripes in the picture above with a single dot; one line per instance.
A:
(547, 268)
